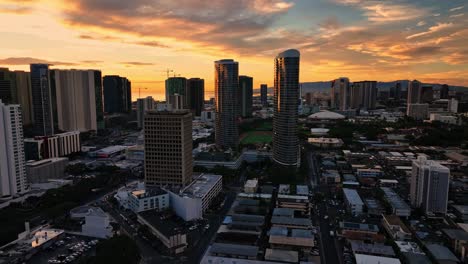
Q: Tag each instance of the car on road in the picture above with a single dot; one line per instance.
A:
(325, 217)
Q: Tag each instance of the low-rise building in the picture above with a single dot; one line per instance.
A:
(193, 200)
(354, 203)
(441, 254)
(42, 170)
(326, 142)
(297, 239)
(284, 256)
(458, 239)
(399, 206)
(446, 119)
(359, 231)
(395, 227)
(148, 199)
(417, 111)
(296, 202)
(251, 186)
(370, 259)
(234, 251)
(376, 249)
(461, 211)
(374, 207)
(302, 190)
(369, 173)
(96, 224)
(291, 222)
(172, 234)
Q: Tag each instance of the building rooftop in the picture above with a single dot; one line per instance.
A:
(44, 162)
(160, 221)
(441, 253)
(463, 209)
(395, 220)
(298, 198)
(410, 247)
(201, 186)
(302, 190)
(283, 212)
(44, 235)
(360, 226)
(253, 183)
(415, 258)
(223, 260)
(281, 220)
(352, 196)
(234, 249)
(368, 259)
(373, 249)
(282, 255)
(148, 192)
(326, 115)
(394, 199)
(290, 53)
(456, 234)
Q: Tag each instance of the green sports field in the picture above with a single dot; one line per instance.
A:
(256, 137)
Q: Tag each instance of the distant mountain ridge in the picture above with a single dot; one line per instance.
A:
(381, 86)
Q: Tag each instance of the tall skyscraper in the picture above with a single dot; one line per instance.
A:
(363, 95)
(245, 95)
(12, 159)
(414, 92)
(196, 95)
(79, 99)
(264, 94)
(177, 85)
(444, 92)
(44, 101)
(143, 105)
(226, 105)
(427, 94)
(285, 103)
(168, 148)
(429, 186)
(117, 94)
(8, 90)
(340, 93)
(23, 86)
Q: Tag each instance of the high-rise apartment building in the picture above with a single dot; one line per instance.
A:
(12, 159)
(414, 92)
(143, 105)
(340, 93)
(196, 95)
(177, 101)
(264, 94)
(226, 105)
(8, 93)
(44, 101)
(245, 95)
(168, 148)
(23, 86)
(285, 103)
(117, 94)
(417, 111)
(177, 85)
(79, 99)
(444, 91)
(363, 95)
(429, 186)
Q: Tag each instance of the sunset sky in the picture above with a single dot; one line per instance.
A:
(140, 39)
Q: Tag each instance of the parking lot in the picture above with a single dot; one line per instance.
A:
(68, 250)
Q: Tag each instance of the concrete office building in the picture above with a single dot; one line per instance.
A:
(143, 105)
(340, 94)
(68, 143)
(12, 160)
(227, 105)
(117, 94)
(429, 185)
(44, 101)
(79, 99)
(148, 199)
(177, 85)
(264, 94)
(58, 145)
(286, 100)
(414, 92)
(196, 95)
(427, 94)
(417, 111)
(168, 148)
(245, 95)
(363, 95)
(43, 170)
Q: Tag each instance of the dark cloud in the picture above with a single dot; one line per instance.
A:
(137, 63)
(151, 44)
(92, 61)
(29, 60)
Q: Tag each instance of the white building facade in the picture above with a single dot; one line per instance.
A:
(12, 158)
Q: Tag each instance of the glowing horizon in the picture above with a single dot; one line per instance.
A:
(141, 39)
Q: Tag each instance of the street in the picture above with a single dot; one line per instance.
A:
(328, 250)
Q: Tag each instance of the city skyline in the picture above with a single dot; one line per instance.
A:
(363, 40)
